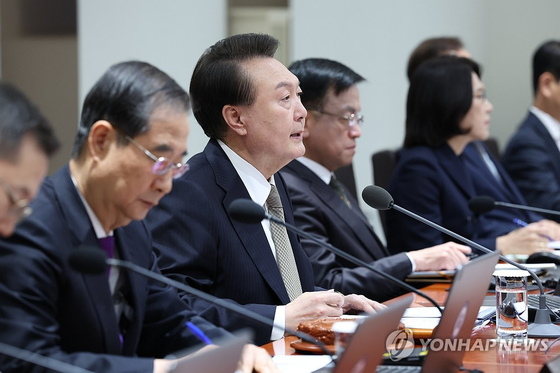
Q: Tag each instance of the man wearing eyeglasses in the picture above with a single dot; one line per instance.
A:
(130, 144)
(325, 207)
(26, 143)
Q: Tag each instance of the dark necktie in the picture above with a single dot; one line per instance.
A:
(284, 254)
(108, 246)
(339, 190)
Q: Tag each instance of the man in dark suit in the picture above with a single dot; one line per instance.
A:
(532, 157)
(26, 143)
(325, 207)
(132, 136)
(248, 104)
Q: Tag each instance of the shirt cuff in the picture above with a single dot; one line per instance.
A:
(280, 321)
(411, 262)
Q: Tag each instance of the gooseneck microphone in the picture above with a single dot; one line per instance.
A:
(482, 204)
(40, 360)
(542, 327)
(247, 211)
(94, 261)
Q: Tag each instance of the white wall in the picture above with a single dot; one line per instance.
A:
(375, 38)
(170, 34)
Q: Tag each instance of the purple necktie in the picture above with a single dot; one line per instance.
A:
(108, 245)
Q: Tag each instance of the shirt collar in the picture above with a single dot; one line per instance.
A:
(550, 123)
(318, 169)
(254, 181)
(97, 227)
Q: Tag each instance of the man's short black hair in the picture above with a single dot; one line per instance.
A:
(546, 59)
(18, 118)
(219, 79)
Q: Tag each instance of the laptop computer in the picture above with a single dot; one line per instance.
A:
(217, 360)
(461, 309)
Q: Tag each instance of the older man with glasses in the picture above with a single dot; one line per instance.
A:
(26, 143)
(324, 206)
(130, 144)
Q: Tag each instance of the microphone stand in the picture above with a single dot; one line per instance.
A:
(351, 258)
(40, 360)
(527, 208)
(210, 298)
(542, 327)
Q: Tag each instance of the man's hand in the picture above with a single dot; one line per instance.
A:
(447, 256)
(313, 305)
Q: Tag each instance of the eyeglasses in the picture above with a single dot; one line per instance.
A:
(162, 164)
(19, 208)
(352, 119)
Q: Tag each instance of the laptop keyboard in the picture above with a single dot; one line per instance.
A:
(398, 368)
(553, 301)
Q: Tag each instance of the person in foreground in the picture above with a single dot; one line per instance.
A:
(532, 157)
(447, 109)
(26, 142)
(325, 207)
(131, 139)
(249, 104)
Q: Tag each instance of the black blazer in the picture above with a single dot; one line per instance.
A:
(436, 184)
(532, 159)
(198, 243)
(319, 210)
(49, 308)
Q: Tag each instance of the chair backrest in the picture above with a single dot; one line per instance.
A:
(346, 176)
(493, 147)
(384, 163)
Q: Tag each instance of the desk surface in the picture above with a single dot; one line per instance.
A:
(494, 359)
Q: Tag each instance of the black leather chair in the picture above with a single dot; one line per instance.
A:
(384, 163)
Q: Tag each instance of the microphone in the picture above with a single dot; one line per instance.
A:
(482, 204)
(542, 327)
(40, 360)
(247, 211)
(94, 261)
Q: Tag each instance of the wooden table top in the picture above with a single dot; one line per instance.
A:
(495, 358)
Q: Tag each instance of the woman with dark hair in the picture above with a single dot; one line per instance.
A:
(447, 109)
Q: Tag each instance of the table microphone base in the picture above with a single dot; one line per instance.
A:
(542, 327)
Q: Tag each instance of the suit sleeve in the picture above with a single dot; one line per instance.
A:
(187, 240)
(530, 164)
(29, 288)
(332, 272)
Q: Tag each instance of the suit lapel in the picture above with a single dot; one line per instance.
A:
(549, 142)
(355, 221)
(84, 237)
(454, 167)
(252, 236)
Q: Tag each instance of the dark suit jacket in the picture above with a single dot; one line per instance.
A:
(48, 308)
(532, 160)
(319, 210)
(434, 183)
(499, 221)
(198, 243)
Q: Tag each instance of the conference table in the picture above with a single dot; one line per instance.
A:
(497, 358)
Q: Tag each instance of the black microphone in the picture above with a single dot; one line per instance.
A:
(40, 360)
(482, 204)
(94, 261)
(247, 211)
(542, 327)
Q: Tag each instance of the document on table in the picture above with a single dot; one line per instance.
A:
(428, 317)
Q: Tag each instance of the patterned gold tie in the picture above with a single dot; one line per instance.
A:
(339, 189)
(284, 254)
